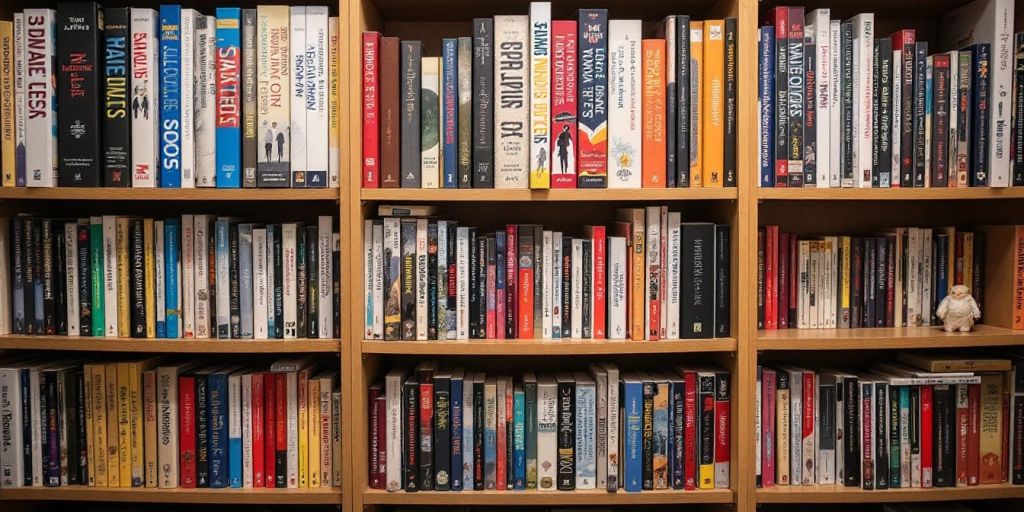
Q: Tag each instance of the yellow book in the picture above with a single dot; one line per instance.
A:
(302, 399)
(968, 271)
(90, 432)
(149, 427)
(124, 424)
(696, 107)
(113, 440)
(713, 76)
(326, 387)
(7, 102)
(136, 456)
(150, 278)
(99, 421)
(313, 405)
(334, 102)
(123, 309)
(991, 427)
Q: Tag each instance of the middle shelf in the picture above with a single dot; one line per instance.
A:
(559, 498)
(582, 194)
(548, 347)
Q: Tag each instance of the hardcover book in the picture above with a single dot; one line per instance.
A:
(229, 102)
(564, 60)
(41, 104)
(410, 89)
(116, 132)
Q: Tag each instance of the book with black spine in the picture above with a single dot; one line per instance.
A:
(302, 248)
(698, 278)
(885, 111)
(920, 82)
(731, 85)
(442, 449)
(945, 435)
(138, 277)
(411, 56)
(566, 469)
(483, 103)
(810, 132)
(851, 425)
(1017, 143)
(722, 281)
(79, 27)
(683, 102)
(408, 279)
(876, 163)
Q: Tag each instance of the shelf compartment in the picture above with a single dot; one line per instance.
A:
(887, 338)
(533, 347)
(156, 345)
(549, 498)
(526, 195)
(889, 194)
(326, 496)
(839, 494)
(170, 194)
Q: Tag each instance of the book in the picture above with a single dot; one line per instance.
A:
(273, 78)
(540, 97)
(512, 147)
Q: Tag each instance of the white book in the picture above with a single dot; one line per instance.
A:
(556, 286)
(430, 134)
(199, 272)
(821, 35)
(546, 284)
(795, 421)
(36, 419)
(145, 114)
(377, 291)
(421, 279)
(188, 100)
(369, 265)
(334, 102)
(289, 289)
(206, 100)
(12, 463)
(235, 416)
(292, 426)
(834, 108)
(273, 235)
(467, 429)
(512, 93)
(913, 277)
(222, 278)
(926, 276)
(462, 284)
(617, 303)
(672, 271)
(624, 110)
(547, 432)
(325, 285)
(71, 278)
(897, 115)
(540, 97)
(110, 274)
(247, 460)
(40, 98)
(187, 276)
(613, 426)
(160, 275)
(576, 288)
(990, 21)
(167, 425)
(954, 111)
(653, 243)
(19, 88)
(259, 283)
(663, 286)
(586, 431)
(394, 427)
(863, 66)
(600, 377)
(317, 73)
(297, 95)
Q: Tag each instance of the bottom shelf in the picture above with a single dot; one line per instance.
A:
(524, 498)
(326, 496)
(839, 494)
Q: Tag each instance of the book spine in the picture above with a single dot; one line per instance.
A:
(77, 158)
(765, 106)
(624, 79)
(207, 110)
(593, 98)
(885, 94)
(940, 125)
(281, 430)
(41, 104)
(465, 111)
(1017, 129)
(586, 432)
(483, 103)
(316, 100)
(229, 98)
(450, 112)
(8, 111)
(247, 79)
(273, 85)
(540, 104)
(511, 147)
(189, 75)
(411, 77)
(566, 435)
(441, 430)
(981, 119)
(564, 58)
(430, 127)
(713, 120)
(723, 429)
(171, 145)
(782, 44)
(296, 58)
(333, 92)
(145, 130)
(370, 73)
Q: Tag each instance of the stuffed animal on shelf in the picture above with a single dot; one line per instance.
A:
(958, 310)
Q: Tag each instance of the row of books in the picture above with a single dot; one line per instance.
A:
(169, 424)
(649, 276)
(134, 97)
(895, 277)
(447, 428)
(928, 422)
(531, 102)
(839, 106)
(197, 276)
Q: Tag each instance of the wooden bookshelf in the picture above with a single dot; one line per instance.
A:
(170, 194)
(888, 194)
(887, 338)
(325, 496)
(547, 347)
(570, 195)
(838, 494)
(544, 498)
(163, 346)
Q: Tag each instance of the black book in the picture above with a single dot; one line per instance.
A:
(538, 281)
(37, 281)
(18, 264)
(566, 285)
(426, 425)
(478, 433)
(1017, 155)
(408, 279)
(810, 132)
(410, 434)
(907, 126)
(202, 419)
(483, 103)
(647, 436)
(432, 320)
(846, 97)
(411, 60)
(940, 120)
(137, 285)
(336, 285)
(881, 279)
(453, 257)
(566, 473)
(677, 424)
(920, 83)
(78, 27)
(944, 428)
(27, 426)
(117, 132)
(870, 282)
(60, 279)
(49, 277)
(84, 282)
(731, 37)
(827, 413)
(278, 283)
(683, 103)
(442, 433)
(81, 456)
(914, 423)
(723, 285)
(981, 119)
(71, 424)
(672, 63)
(881, 415)
(698, 309)
(474, 284)
(851, 429)
(884, 112)
(592, 97)
(894, 437)
(48, 421)
(482, 261)
(875, 115)
(234, 295)
(303, 245)
(249, 95)
(313, 271)
(586, 261)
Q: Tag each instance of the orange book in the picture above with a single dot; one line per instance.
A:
(713, 131)
(653, 51)
(697, 112)
(638, 271)
(1003, 249)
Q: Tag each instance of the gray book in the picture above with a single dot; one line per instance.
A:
(465, 115)
(249, 98)
(483, 103)
(411, 56)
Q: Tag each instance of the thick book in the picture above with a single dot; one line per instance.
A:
(940, 123)
(229, 98)
(713, 119)
(315, 102)
(624, 104)
(449, 113)
(390, 113)
(40, 100)
(273, 78)
(511, 143)
(410, 60)
(593, 98)
(483, 103)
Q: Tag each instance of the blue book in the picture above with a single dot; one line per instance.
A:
(450, 111)
(170, 96)
(172, 243)
(245, 278)
(235, 430)
(222, 237)
(229, 108)
(766, 104)
(457, 412)
(633, 405)
(217, 407)
(519, 438)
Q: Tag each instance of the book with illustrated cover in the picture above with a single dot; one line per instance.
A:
(592, 151)
(624, 112)
(145, 62)
(230, 100)
(512, 124)
(564, 141)
(273, 76)
(540, 95)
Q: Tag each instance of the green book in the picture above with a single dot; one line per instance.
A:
(530, 390)
(96, 267)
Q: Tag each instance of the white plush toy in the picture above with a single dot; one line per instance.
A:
(958, 310)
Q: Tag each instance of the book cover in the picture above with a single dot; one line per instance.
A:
(511, 146)
(229, 98)
(592, 153)
(564, 60)
(76, 150)
(624, 112)
(540, 95)
(483, 103)
(273, 77)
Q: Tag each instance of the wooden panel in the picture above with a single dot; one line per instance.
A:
(155, 346)
(547, 347)
(886, 338)
(571, 195)
(170, 194)
(888, 194)
(838, 494)
(329, 496)
(523, 498)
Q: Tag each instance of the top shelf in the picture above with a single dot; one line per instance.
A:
(888, 194)
(169, 194)
(551, 195)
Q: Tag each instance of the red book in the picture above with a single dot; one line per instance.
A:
(690, 429)
(270, 431)
(1005, 466)
(598, 239)
(382, 446)
(426, 419)
(563, 104)
(927, 440)
(783, 271)
(257, 429)
(511, 299)
(973, 433)
(500, 424)
(962, 433)
(281, 429)
(771, 278)
(492, 299)
(373, 452)
(187, 431)
(768, 383)
(390, 114)
(723, 423)
(524, 288)
(779, 18)
(371, 109)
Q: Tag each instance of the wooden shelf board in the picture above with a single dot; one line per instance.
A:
(886, 338)
(523, 498)
(150, 345)
(888, 194)
(326, 496)
(547, 347)
(170, 194)
(839, 494)
(484, 195)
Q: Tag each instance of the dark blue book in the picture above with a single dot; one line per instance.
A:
(499, 274)
(592, 91)
(457, 441)
(676, 425)
(170, 96)
(633, 405)
(450, 111)
(217, 401)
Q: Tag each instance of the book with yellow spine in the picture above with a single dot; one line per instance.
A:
(713, 120)
(123, 283)
(696, 103)
(113, 443)
(136, 406)
(98, 377)
(124, 423)
(7, 102)
(90, 430)
(149, 428)
(147, 242)
(313, 405)
(303, 389)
